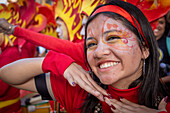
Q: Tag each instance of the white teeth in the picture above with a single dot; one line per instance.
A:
(108, 64)
(156, 30)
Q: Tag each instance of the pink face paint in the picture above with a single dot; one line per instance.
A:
(125, 41)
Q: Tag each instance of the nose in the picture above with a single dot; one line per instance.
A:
(57, 29)
(102, 50)
(82, 32)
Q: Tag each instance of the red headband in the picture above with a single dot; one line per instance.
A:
(122, 12)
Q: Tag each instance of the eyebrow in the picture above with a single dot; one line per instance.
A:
(111, 31)
(89, 38)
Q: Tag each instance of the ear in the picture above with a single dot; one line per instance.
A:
(145, 52)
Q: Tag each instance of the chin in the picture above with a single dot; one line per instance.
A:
(107, 81)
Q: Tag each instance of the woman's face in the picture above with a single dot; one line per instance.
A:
(113, 52)
(160, 29)
(61, 29)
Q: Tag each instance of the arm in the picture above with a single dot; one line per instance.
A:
(73, 72)
(21, 73)
(74, 50)
(166, 79)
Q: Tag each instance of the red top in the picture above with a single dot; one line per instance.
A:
(73, 97)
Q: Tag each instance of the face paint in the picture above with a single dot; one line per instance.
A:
(113, 52)
(118, 36)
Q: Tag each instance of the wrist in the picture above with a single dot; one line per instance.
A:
(11, 29)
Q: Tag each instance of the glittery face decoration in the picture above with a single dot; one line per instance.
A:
(114, 34)
(117, 36)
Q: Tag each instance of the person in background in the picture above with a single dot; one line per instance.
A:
(163, 39)
(10, 102)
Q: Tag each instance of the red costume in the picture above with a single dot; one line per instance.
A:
(74, 50)
(70, 97)
(52, 43)
(21, 49)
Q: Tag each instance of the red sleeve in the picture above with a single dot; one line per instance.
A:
(71, 98)
(162, 112)
(56, 62)
(167, 108)
(74, 50)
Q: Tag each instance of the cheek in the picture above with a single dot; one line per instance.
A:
(134, 58)
(90, 57)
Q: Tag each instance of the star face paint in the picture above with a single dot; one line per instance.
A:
(112, 51)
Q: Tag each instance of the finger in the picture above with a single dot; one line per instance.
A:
(119, 106)
(71, 81)
(162, 104)
(88, 88)
(77, 74)
(128, 102)
(96, 86)
(82, 77)
(87, 78)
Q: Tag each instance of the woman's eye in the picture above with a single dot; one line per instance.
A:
(161, 22)
(112, 38)
(91, 45)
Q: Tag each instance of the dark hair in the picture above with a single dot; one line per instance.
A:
(151, 88)
(167, 27)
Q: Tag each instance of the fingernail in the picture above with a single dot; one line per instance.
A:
(112, 107)
(73, 83)
(166, 99)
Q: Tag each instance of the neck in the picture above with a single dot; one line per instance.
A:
(158, 37)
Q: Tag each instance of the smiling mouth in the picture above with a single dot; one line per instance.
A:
(107, 65)
(156, 30)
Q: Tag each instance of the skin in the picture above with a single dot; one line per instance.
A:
(1, 38)
(109, 41)
(84, 20)
(61, 29)
(160, 29)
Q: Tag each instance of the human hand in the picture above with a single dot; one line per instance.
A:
(5, 26)
(125, 106)
(75, 74)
